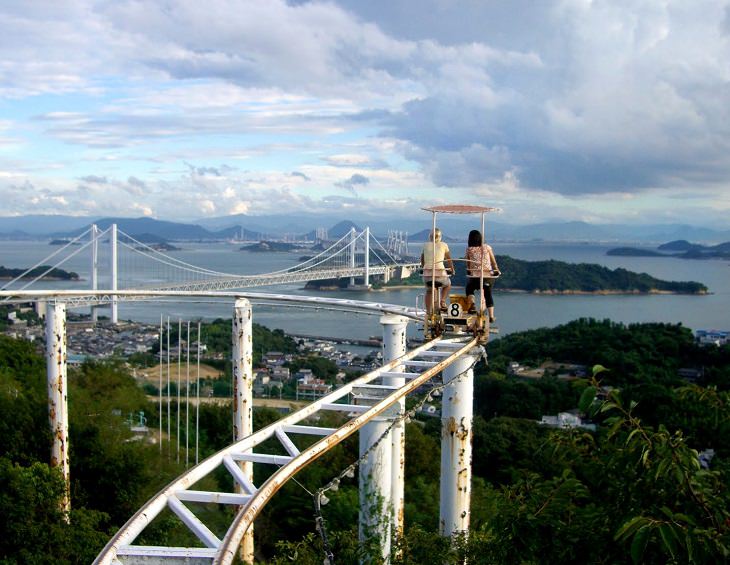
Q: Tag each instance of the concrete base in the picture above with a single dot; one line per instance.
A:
(358, 287)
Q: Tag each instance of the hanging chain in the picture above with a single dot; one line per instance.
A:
(320, 499)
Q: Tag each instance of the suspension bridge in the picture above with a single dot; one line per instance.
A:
(357, 256)
(373, 405)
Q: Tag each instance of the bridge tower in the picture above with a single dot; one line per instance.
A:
(353, 239)
(94, 265)
(113, 267)
(366, 280)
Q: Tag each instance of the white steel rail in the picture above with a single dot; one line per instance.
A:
(72, 297)
(120, 549)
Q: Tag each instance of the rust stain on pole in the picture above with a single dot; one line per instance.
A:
(57, 398)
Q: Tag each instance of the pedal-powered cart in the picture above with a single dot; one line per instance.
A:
(457, 320)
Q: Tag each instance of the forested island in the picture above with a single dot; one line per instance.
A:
(559, 277)
(269, 246)
(53, 274)
(633, 490)
(681, 249)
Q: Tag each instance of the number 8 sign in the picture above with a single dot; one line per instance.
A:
(455, 310)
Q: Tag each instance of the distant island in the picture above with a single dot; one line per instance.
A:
(269, 246)
(63, 242)
(634, 252)
(54, 274)
(160, 246)
(681, 249)
(558, 277)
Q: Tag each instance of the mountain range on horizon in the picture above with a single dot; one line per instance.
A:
(455, 228)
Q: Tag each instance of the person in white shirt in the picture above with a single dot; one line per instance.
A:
(437, 265)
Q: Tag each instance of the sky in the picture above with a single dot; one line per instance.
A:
(604, 111)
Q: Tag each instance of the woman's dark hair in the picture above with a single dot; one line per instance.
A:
(475, 238)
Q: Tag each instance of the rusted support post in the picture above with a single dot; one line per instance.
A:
(58, 393)
(394, 346)
(374, 483)
(242, 361)
(456, 439)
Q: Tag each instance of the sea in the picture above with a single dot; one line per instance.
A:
(514, 311)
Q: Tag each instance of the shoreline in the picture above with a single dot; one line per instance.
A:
(555, 292)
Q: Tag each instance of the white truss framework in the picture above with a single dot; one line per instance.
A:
(76, 298)
(431, 358)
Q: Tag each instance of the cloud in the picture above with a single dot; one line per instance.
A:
(95, 179)
(558, 99)
(353, 182)
(134, 181)
(355, 160)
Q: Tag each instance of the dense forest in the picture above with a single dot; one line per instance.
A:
(632, 491)
(558, 276)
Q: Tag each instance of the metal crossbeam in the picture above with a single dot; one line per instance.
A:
(120, 548)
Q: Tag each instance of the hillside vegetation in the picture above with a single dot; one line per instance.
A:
(560, 277)
(633, 491)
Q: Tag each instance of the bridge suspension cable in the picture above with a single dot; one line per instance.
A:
(57, 265)
(167, 259)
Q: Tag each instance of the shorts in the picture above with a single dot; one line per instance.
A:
(438, 281)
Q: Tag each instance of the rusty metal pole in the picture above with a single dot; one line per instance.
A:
(374, 484)
(58, 394)
(456, 439)
(394, 346)
(242, 361)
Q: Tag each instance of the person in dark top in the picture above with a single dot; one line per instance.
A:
(480, 263)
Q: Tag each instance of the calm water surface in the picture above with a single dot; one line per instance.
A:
(515, 312)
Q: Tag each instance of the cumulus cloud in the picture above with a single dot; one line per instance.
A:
(568, 98)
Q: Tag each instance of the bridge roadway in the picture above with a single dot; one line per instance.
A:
(231, 283)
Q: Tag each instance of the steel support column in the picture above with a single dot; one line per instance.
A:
(58, 393)
(353, 241)
(456, 442)
(94, 265)
(394, 346)
(113, 243)
(242, 359)
(366, 280)
(375, 485)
